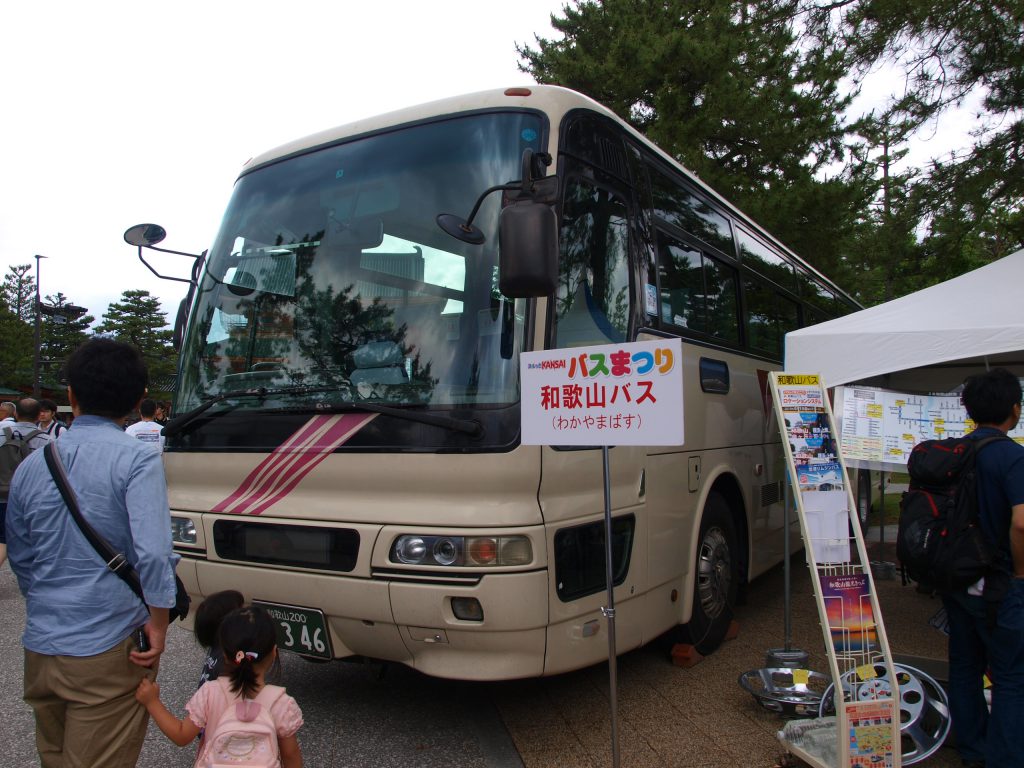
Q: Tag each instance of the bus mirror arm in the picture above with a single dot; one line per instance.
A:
(147, 236)
(464, 229)
(533, 186)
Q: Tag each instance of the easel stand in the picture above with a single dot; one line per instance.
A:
(865, 730)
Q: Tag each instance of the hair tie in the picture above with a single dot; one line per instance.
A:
(243, 655)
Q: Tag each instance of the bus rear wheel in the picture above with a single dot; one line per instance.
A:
(717, 579)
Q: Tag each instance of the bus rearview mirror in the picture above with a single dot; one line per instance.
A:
(528, 250)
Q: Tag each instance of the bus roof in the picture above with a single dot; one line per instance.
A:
(553, 100)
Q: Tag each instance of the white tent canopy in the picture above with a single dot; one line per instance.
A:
(926, 341)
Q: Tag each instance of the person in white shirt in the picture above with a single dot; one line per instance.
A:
(48, 421)
(146, 429)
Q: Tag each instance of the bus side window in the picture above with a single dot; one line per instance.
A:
(592, 303)
(697, 291)
(770, 316)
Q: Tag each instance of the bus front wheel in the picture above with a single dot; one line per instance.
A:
(716, 582)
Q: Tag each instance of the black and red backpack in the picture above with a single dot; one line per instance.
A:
(940, 543)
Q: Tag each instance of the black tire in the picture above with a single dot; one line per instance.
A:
(717, 579)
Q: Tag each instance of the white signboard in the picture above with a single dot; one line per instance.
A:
(612, 394)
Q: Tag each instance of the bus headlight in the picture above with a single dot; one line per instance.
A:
(472, 551)
(409, 549)
(183, 531)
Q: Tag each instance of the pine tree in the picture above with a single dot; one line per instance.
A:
(971, 203)
(16, 351)
(138, 320)
(19, 292)
(728, 89)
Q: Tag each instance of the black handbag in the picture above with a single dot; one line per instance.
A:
(116, 561)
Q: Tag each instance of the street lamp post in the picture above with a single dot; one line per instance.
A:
(39, 320)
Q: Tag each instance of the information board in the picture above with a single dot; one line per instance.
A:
(880, 427)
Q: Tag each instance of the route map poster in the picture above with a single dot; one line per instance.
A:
(880, 427)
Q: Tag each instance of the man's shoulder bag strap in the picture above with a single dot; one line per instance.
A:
(115, 561)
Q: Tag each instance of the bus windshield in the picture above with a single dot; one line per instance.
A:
(330, 280)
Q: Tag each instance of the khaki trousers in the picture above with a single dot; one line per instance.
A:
(85, 708)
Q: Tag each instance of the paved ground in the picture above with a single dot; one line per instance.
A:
(700, 717)
(369, 715)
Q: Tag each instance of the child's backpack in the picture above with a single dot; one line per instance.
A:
(940, 543)
(245, 736)
(13, 451)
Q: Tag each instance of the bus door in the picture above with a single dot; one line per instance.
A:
(592, 307)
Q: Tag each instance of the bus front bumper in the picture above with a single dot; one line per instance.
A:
(406, 622)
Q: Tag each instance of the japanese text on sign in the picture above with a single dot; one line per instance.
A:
(622, 394)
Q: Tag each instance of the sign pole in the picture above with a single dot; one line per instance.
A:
(609, 610)
(608, 394)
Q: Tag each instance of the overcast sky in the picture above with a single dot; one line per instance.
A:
(117, 113)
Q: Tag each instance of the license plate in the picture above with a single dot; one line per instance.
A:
(300, 630)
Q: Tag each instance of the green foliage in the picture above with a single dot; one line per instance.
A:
(751, 97)
(967, 206)
(16, 351)
(18, 292)
(137, 320)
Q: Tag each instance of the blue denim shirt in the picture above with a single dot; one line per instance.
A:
(75, 605)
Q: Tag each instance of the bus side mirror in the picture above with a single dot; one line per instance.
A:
(528, 249)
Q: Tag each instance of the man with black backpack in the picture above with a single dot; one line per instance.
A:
(17, 440)
(990, 639)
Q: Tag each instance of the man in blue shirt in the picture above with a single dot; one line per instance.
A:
(977, 644)
(81, 666)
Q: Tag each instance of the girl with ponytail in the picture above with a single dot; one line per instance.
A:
(245, 719)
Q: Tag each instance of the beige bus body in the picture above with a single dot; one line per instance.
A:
(384, 610)
(527, 631)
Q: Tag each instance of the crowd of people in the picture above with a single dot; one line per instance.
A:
(92, 643)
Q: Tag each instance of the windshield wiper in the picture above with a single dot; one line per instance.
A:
(466, 426)
(178, 423)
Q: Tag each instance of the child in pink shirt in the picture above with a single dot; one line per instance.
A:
(247, 639)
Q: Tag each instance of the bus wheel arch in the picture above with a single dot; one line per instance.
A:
(720, 568)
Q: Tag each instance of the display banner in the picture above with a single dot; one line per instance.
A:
(612, 394)
(866, 727)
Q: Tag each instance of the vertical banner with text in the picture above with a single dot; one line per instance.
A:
(613, 394)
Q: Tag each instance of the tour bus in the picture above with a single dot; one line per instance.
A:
(345, 447)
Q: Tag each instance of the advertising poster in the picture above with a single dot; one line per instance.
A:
(611, 394)
(851, 621)
(812, 449)
(870, 726)
(800, 393)
(821, 476)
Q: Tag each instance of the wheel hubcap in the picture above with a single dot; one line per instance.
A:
(714, 575)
